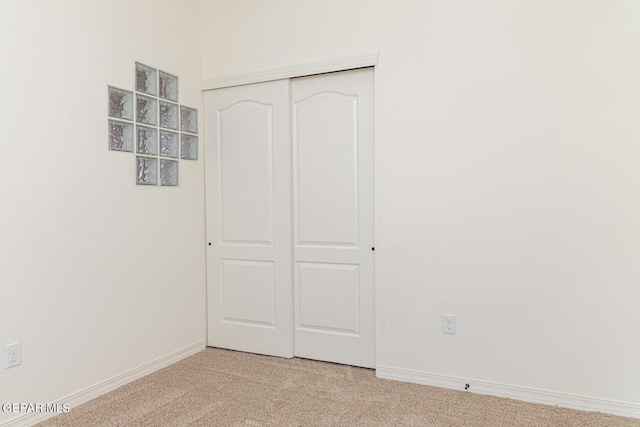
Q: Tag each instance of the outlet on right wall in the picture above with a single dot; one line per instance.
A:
(507, 181)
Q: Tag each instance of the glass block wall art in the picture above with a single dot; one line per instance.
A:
(120, 103)
(146, 140)
(146, 170)
(150, 122)
(188, 119)
(146, 79)
(168, 172)
(146, 109)
(168, 86)
(168, 115)
(120, 136)
(169, 144)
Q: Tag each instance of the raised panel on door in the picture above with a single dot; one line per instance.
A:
(324, 287)
(326, 155)
(333, 217)
(248, 218)
(248, 292)
(246, 173)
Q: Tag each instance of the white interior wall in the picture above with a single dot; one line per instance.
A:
(98, 276)
(507, 176)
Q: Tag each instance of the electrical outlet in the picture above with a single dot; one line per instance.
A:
(13, 353)
(448, 323)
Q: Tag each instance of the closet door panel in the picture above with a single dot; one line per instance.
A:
(333, 214)
(249, 290)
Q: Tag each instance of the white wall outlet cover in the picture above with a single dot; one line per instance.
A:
(448, 324)
(13, 355)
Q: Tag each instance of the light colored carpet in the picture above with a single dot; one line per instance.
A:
(226, 388)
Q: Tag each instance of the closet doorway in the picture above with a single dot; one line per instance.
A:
(290, 217)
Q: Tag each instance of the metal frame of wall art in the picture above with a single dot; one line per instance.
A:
(150, 122)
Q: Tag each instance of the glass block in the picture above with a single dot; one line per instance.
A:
(168, 86)
(146, 79)
(188, 147)
(188, 119)
(146, 171)
(120, 136)
(168, 144)
(146, 109)
(120, 103)
(146, 140)
(168, 115)
(168, 172)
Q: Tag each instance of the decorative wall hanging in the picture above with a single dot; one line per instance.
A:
(151, 122)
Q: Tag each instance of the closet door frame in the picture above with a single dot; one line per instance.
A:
(282, 73)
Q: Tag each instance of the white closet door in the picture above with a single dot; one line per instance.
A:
(248, 218)
(333, 217)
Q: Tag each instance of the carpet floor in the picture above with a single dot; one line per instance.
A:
(226, 388)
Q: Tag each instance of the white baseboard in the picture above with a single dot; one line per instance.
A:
(582, 403)
(106, 386)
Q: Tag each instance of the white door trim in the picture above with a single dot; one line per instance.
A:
(291, 71)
